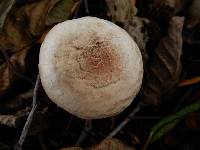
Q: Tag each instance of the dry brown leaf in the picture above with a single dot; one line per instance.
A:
(165, 68)
(23, 24)
(193, 14)
(121, 10)
(13, 37)
(10, 71)
(17, 102)
(194, 9)
(112, 144)
(169, 139)
(178, 5)
(5, 7)
(192, 121)
(27, 22)
(35, 14)
(107, 144)
(189, 81)
(143, 31)
(13, 120)
(41, 39)
(136, 28)
(171, 3)
(71, 148)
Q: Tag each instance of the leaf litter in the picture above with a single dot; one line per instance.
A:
(166, 33)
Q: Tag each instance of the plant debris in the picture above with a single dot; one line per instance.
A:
(165, 68)
(164, 115)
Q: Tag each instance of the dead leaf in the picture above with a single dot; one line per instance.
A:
(25, 24)
(111, 144)
(193, 14)
(41, 39)
(61, 11)
(192, 121)
(164, 71)
(171, 3)
(11, 71)
(194, 9)
(189, 81)
(13, 120)
(107, 144)
(136, 28)
(17, 102)
(5, 7)
(177, 5)
(13, 37)
(71, 148)
(169, 139)
(121, 10)
(143, 31)
(35, 15)
(162, 11)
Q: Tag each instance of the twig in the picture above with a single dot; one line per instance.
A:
(69, 123)
(77, 10)
(126, 120)
(86, 7)
(30, 117)
(84, 133)
(146, 144)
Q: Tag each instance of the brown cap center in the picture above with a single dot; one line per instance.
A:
(98, 63)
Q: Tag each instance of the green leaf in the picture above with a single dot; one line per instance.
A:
(166, 128)
(121, 10)
(60, 12)
(168, 123)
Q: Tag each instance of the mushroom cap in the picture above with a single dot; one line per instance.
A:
(90, 67)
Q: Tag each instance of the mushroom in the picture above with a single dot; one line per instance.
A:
(90, 67)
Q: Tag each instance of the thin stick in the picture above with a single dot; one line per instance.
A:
(126, 120)
(84, 133)
(86, 7)
(146, 144)
(30, 117)
(69, 123)
(77, 10)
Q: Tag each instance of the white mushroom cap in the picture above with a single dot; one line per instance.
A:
(90, 67)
